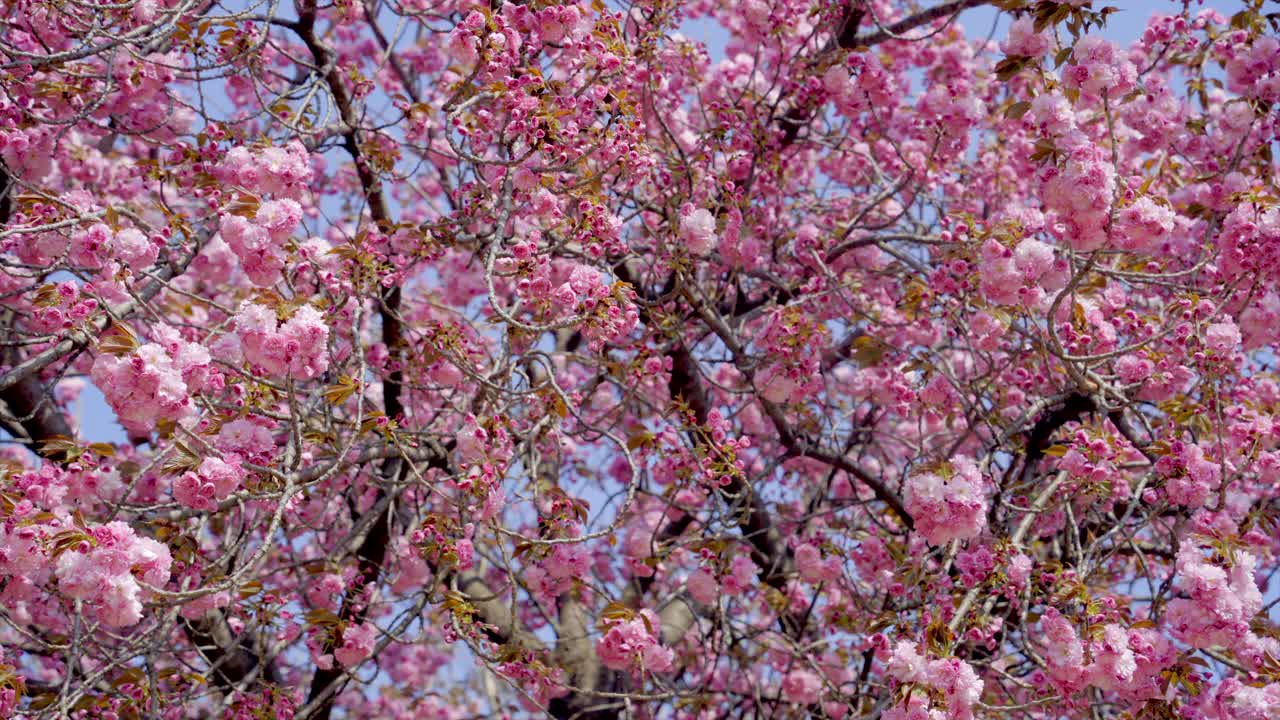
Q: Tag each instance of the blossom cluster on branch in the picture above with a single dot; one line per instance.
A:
(529, 358)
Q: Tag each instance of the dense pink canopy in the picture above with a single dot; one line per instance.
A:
(527, 359)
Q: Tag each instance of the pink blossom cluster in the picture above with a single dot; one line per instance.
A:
(860, 84)
(483, 440)
(802, 687)
(812, 567)
(948, 503)
(1080, 192)
(1235, 700)
(634, 645)
(1220, 600)
(1250, 240)
(70, 308)
(104, 570)
(1190, 478)
(284, 172)
(1024, 41)
(142, 100)
(1144, 225)
(98, 244)
(1253, 68)
(296, 347)
(357, 644)
(954, 679)
(698, 230)
(609, 311)
(1099, 69)
(210, 483)
(792, 372)
(154, 382)
(1009, 276)
(1128, 661)
(556, 575)
(28, 151)
(259, 243)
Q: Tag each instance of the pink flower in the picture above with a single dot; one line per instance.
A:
(802, 687)
(1018, 570)
(703, 587)
(1144, 225)
(811, 566)
(1098, 67)
(210, 484)
(949, 504)
(199, 607)
(1080, 191)
(778, 386)
(1033, 258)
(906, 663)
(104, 572)
(631, 645)
(91, 247)
(260, 243)
(1113, 665)
(152, 383)
(134, 248)
(959, 683)
(741, 576)
(282, 171)
(1191, 478)
(245, 437)
(955, 679)
(357, 644)
(297, 347)
(1133, 369)
(325, 590)
(1024, 40)
(1218, 603)
(1222, 337)
(1063, 650)
(698, 230)
(1051, 113)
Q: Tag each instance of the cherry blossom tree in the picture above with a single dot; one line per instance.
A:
(524, 359)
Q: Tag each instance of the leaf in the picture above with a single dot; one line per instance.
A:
(869, 351)
(371, 422)
(337, 394)
(322, 617)
(777, 601)
(639, 439)
(245, 206)
(60, 445)
(184, 460)
(133, 676)
(47, 296)
(558, 406)
(1017, 110)
(1078, 315)
(118, 340)
(1010, 66)
(615, 612)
